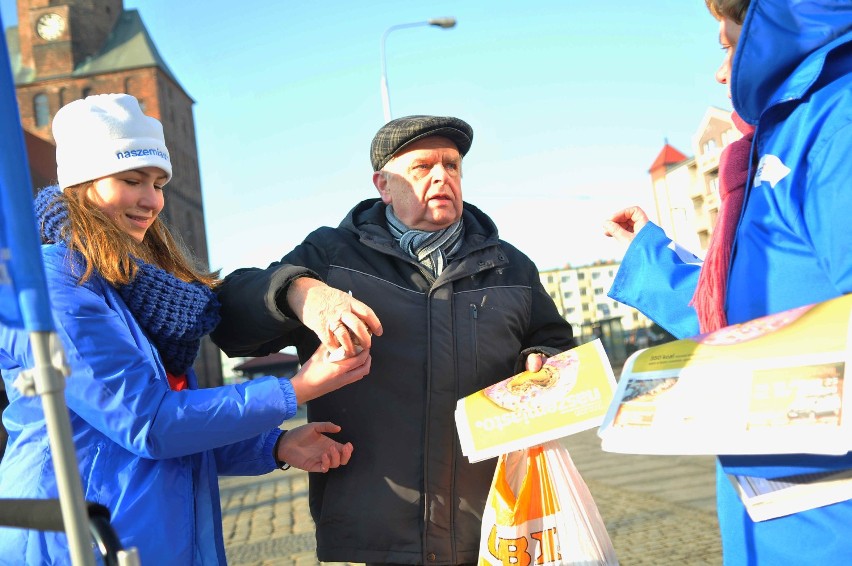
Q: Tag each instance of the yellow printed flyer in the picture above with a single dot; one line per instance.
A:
(569, 394)
(773, 385)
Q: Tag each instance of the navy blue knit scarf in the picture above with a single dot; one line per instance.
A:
(174, 314)
(431, 249)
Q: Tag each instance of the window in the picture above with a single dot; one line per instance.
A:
(596, 275)
(87, 91)
(41, 110)
(599, 291)
(567, 294)
(581, 276)
(713, 184)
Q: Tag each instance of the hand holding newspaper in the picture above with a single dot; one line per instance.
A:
(773, 385)
(569, 394)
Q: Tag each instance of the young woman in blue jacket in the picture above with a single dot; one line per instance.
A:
(788, 65)
(131, 308)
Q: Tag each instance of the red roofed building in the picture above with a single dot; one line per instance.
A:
(686, 189)
(668, 156)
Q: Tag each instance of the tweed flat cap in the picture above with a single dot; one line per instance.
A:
(401, 132)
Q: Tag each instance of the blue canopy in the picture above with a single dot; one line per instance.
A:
(24, 301)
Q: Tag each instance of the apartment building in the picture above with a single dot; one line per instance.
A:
(580, 295)
(686, 205)
(686, 189)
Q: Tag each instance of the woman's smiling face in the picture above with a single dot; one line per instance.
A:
(132, 199)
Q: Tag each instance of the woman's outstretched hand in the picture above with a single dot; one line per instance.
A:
(308, 448)
(625, 224)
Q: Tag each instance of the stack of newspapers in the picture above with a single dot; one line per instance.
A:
(773, 385)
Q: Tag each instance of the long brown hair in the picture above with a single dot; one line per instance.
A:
(110, 251)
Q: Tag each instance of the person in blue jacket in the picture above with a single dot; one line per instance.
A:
(789, 69)
(130, 309)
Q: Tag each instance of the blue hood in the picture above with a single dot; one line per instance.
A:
(777, 37)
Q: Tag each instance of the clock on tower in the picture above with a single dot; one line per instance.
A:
(50, 26)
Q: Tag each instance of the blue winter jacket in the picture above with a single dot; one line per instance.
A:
(150, 454)
(792, 78)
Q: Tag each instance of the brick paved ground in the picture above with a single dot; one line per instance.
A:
(658, 510)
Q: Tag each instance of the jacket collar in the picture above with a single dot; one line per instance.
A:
(367, 220)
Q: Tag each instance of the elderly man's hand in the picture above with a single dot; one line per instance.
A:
(625, 224)
(535, 361)
(339, 320)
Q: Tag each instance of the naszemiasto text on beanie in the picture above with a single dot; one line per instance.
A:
(105, 134)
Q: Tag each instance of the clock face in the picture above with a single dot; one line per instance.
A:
(50, 26)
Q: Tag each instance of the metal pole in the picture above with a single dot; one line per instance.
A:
(386, 107)
(50, 387)
(445, 23)
(33, 306)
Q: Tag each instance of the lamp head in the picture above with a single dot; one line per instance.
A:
(445, 23)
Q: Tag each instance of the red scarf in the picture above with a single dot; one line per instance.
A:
(177, 382)
(709, 297)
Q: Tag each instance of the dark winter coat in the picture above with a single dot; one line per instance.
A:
(408, 495)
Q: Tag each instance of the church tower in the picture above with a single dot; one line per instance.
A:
(63, 50)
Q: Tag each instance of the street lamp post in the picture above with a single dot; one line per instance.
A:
(444, 23)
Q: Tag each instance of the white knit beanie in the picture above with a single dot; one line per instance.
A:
(106, 134)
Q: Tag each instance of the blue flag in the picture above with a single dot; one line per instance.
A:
(24, 301)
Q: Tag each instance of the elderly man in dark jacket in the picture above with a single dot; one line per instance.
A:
(460, 309)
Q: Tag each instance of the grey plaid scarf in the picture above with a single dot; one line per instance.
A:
(431, 249)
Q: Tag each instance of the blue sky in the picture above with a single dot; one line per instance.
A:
(570, 103)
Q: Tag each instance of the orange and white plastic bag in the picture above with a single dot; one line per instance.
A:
(540, 512)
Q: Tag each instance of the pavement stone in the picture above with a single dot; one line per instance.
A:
(659, 510)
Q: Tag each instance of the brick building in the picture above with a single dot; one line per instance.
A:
(63, 50)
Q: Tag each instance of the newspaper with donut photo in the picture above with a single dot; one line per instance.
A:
(568, 395)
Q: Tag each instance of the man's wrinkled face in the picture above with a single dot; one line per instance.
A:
(423, 184)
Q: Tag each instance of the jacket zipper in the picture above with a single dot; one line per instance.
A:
(474, 313)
